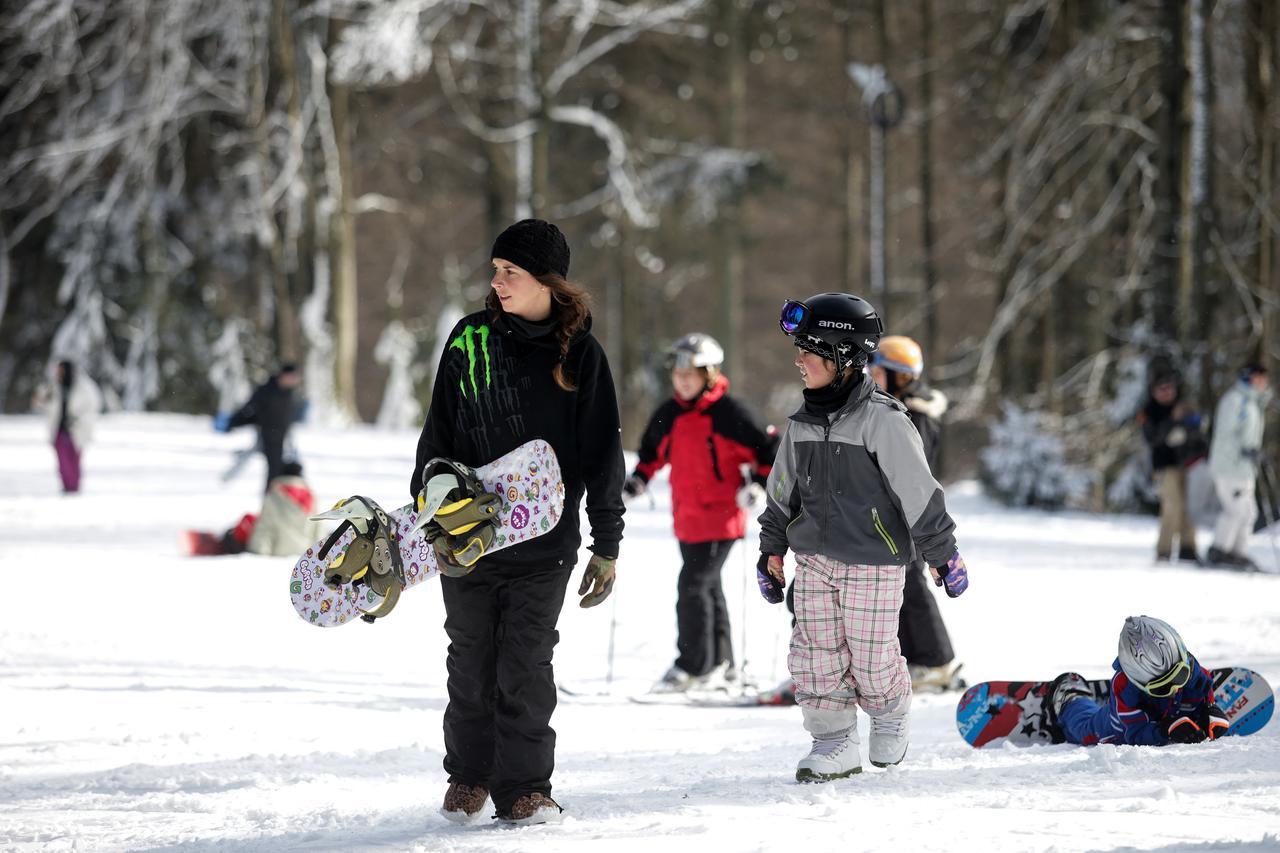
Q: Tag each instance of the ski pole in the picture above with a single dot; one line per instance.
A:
(613, 627)
(744, 471)
(1272, 521)
(746, 569)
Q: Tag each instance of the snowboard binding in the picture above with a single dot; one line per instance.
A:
(373, 557)
(460, 517)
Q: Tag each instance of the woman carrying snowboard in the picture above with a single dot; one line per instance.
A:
(525, 367)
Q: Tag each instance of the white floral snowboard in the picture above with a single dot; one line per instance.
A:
(527, 479)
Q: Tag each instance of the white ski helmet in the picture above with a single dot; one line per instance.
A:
(1153, 656)
(695, 350)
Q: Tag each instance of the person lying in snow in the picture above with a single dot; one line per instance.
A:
(1160, 694)
(283, 527)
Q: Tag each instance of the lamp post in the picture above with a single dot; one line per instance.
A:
(884, 104)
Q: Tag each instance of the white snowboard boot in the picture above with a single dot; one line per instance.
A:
(889, 734)
(676, 680)
(834, 753)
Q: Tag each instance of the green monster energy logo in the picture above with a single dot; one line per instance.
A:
(467, 343)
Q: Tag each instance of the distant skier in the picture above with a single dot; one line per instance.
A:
(273, 408)
(706, 437)
(897, 367)
(72, 402)
(1234, 458)
(1171, 428)
(524, 367)
(852, 495)
(1160, 694)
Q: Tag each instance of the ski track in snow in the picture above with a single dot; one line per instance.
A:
(154, 702)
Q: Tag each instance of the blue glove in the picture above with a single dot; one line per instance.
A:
(1192, 420)
(771, 585)
(954, 576)
(222, 422)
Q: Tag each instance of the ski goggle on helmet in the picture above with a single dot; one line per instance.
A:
(837, 326)
(1153, 656)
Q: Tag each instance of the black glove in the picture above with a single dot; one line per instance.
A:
(1213, 721)
(634, 486)
(1251, 454)
(771, 584)
(1182, 726)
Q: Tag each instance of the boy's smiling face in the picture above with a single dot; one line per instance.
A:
(816, 371)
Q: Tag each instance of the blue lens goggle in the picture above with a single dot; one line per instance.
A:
(795, 317)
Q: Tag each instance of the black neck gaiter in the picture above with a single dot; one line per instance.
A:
(824, 401)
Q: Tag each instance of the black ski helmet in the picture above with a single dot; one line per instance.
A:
(840, 327)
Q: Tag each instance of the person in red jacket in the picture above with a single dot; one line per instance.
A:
(708, 438)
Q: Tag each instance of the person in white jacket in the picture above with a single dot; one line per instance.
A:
(72, 401)
(1234, 456)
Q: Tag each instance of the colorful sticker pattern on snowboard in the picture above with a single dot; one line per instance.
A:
(1245, 697)
(1008, 710)
(1015, 711)
(529, 481)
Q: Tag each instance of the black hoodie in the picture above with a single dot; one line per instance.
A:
(494, 391)
(1173, 443)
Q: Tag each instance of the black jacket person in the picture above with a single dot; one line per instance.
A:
(897, 368)
(273, 408)
(526, 367)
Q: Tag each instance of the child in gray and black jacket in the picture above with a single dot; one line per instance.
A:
(852, 495)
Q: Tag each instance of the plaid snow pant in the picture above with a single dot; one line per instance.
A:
(844, 646)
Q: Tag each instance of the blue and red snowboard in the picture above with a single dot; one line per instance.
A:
(1017, 711)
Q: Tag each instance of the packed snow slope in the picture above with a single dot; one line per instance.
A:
(154, 702)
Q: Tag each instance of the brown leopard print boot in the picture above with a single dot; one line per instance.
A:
(532, 808)
(462, 803)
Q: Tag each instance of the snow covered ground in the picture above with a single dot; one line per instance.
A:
(154, 702)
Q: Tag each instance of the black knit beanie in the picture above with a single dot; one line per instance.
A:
(535, 246)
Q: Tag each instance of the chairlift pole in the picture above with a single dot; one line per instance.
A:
(884, 104)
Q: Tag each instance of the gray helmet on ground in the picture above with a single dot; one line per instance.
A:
(1150, 651)
(695, 350)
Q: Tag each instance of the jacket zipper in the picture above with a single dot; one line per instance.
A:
(826, 493)
(883, 531)
(715, 458)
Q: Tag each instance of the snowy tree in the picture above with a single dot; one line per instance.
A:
(99, 101)
(397, 349)
(1025, 463)
(507, 68)
(170, 159)
(227, 373)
